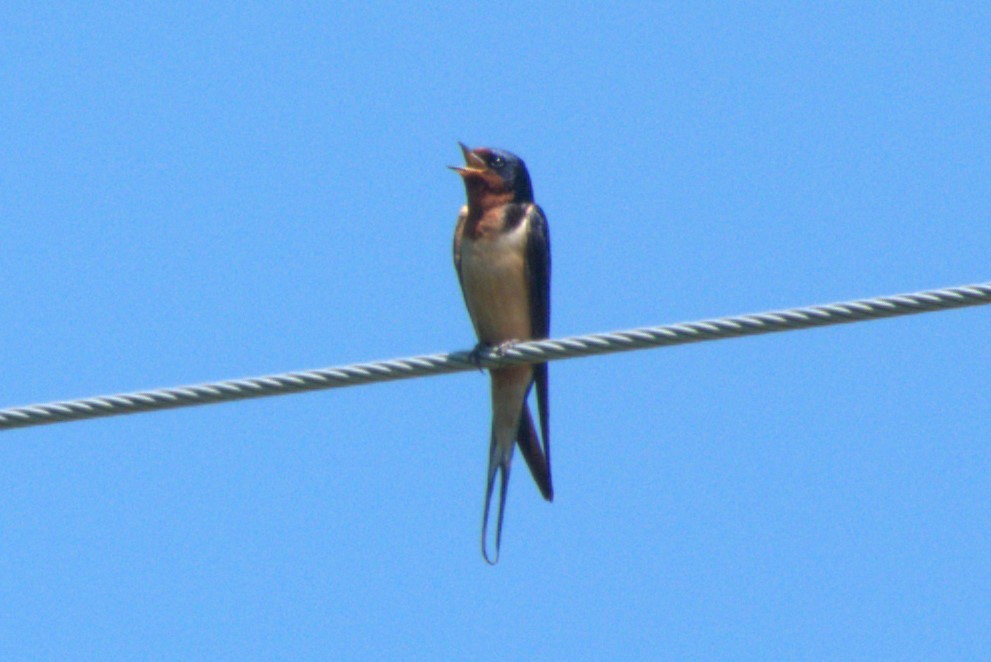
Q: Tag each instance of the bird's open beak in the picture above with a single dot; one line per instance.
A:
(474, 164)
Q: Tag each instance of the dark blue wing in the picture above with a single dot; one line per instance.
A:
(538, 275)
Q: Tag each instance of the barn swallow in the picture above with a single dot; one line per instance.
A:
(503, 259)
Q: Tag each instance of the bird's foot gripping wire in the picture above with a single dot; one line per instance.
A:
(475, 355)
(502, 348)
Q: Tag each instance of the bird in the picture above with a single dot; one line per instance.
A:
(503, 260)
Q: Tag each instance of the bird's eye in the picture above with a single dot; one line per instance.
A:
(497, 161)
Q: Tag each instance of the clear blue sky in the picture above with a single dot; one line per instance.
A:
(190, 194)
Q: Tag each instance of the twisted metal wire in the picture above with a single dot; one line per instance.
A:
(525, 352)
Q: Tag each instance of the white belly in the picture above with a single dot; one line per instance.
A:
(494, 281)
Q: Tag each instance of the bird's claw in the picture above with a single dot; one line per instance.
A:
(503, 347)
(500, 350)
(475, 355)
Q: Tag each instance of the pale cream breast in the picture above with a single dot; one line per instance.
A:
(493, 276)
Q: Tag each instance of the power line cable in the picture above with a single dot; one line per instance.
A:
(537, 351)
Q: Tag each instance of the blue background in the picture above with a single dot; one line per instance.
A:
(192, 193)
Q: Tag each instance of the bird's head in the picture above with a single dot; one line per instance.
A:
(494, 172)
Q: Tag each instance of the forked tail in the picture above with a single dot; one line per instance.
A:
(499, 462)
